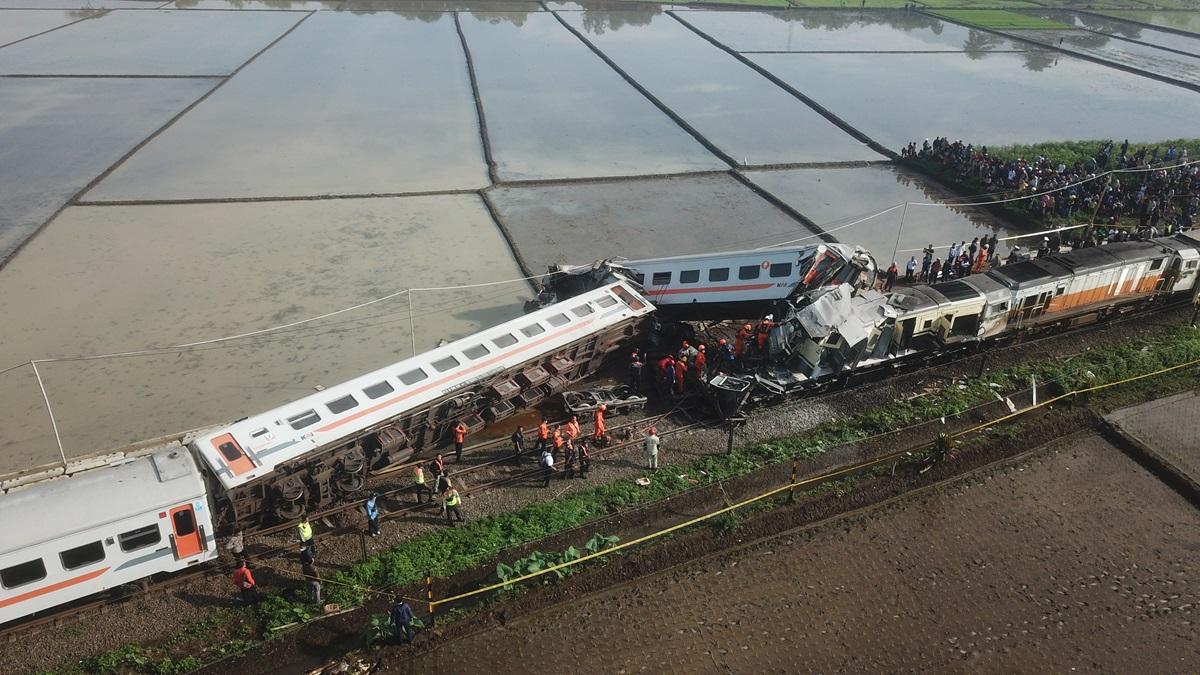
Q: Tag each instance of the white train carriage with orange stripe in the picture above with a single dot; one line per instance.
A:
(311, 451)
(68, 538)
(727, 285)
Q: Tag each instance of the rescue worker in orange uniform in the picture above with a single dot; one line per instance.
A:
(739, 343)
(543, 435)
(460, 435)
(763, 330)
(243, 580)
(558, 441)
(573, 430)
(701, 363)
(601, 429)
(681, 369)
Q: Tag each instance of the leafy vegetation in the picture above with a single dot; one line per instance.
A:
(999, 19)
(538, 561)
(1069, 152)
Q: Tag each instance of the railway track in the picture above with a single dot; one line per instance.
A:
(379, 480)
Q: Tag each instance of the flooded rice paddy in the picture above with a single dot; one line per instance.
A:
(139, 42)
(1124, 52)
(1114, 27)
(988, 98)
(114, 278)
(296, 182)
(835, 198)
(840, 31)
(58, 134)
(347, 104)
(736, 108)
(580, 223)
(555, 110)
(1184, 21)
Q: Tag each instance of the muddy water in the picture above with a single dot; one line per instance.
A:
(842, 31)
(346, 104)
(740, 111)
(57, 134)
(1186, 21)
(112, 278)
(1123, 52)
(556, 110)
(988, 98)
(149, 43)
(675, 216)
(837, 197)
(16, 24)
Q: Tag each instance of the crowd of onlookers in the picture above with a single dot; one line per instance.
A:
(1162, 200)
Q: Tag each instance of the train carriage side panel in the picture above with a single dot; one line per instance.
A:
(69, 538)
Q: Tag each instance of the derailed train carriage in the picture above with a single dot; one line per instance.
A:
(834, 332)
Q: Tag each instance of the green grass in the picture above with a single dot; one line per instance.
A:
(1070, 152)
(998, 19)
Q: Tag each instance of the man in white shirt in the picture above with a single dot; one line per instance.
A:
(651, 444)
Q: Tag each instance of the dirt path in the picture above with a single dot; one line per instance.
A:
(1075, 558)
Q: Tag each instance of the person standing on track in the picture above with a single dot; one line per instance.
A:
(243, 580)
(419, 486)
(547, 464)
(371, 506)
(636, 365)
(543, 434)
(585, 459)
(701, 364)
(573, 430)
(460, 435)
(306, 533)
(651, 444)
(518, 443)
(725, 357)
(601, 430)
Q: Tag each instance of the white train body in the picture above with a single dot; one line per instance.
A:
(68, 538)
(252, 448)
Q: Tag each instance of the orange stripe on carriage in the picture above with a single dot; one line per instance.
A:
(66, 583)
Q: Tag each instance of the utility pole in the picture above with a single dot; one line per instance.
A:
(1092, 221)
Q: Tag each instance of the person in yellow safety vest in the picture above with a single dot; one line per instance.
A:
(453, 503)
(419, 485)
(306, 534)
(601, 429)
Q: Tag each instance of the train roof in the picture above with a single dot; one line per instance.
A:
(748, 253)
(957, 290)
(1028, 273)
(88, 500)
(294, 429)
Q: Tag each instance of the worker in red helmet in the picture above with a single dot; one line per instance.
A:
(601, 429)
(681, 368)
(700, 365)
(762, 331)
(725, 357)
(743, 336)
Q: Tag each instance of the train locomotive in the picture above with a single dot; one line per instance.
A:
(77, 535)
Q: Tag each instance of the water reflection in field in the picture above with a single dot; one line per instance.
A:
(1123, 52)
(16, 24)
(988, 98)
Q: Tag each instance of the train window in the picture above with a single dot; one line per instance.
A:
(781, 270)
(639, 278)
(583, 310)
(927, 324)
(719, 274)
(1157, 264)
(444, 364)
(506, 340)
(183, 522)
(25, 573)
(1060, 290)
(475, 352)
(1002, 307)
(557, 320)
(81, 556)
(413, 376)
(1191, 265)
(304, 419)
(139, 538)
(606, 301)
(625, 295)
(533, 329)
(378, 389)
(689, 276)
(341, 405)
(748, 272)
(660, 279)
(229, 451)
(255, 434)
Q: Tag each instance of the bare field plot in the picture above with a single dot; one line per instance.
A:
(1074, 559)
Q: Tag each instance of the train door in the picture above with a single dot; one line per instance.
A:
(187, 539)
